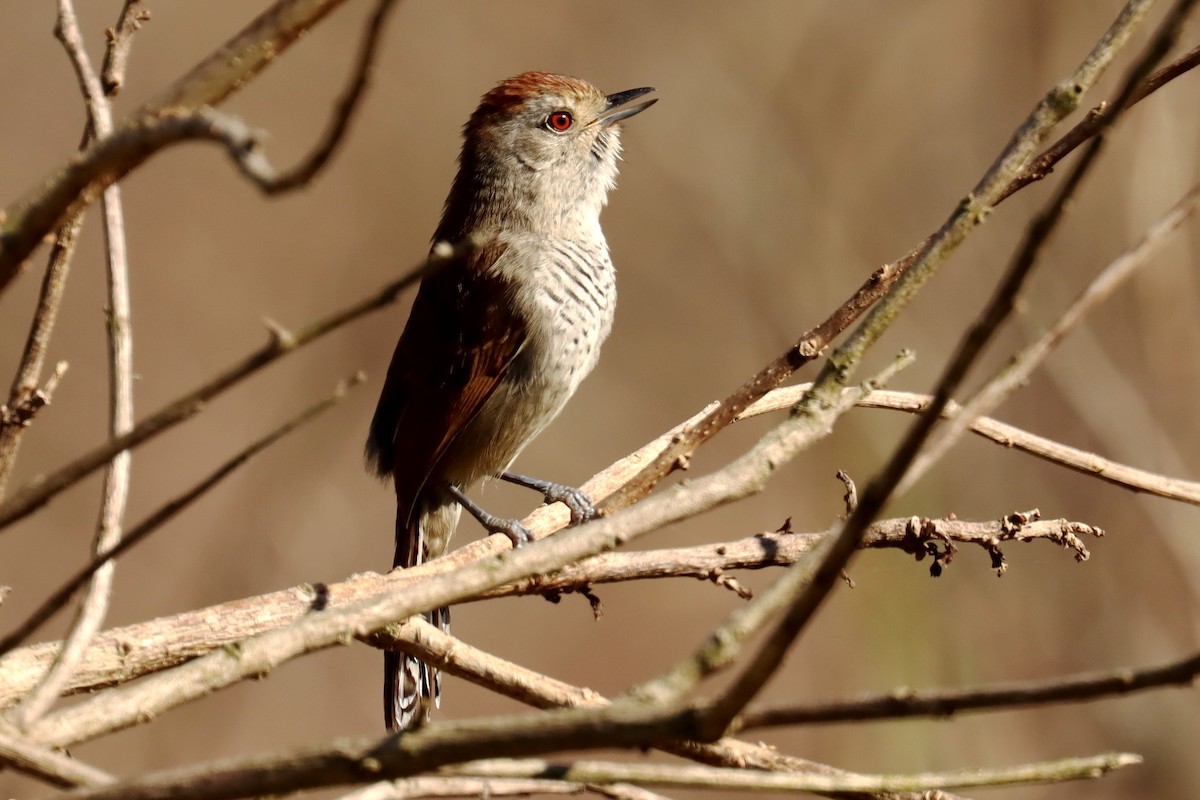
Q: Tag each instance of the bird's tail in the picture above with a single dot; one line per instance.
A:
(410, 686)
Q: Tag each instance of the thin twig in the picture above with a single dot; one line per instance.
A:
(1016, 373)
(1094, 121)
(701, 777)
(37, 343)
(430, 787)
(53, 284)
(804, 587)
(919, 537)
(908, 703)
(347, 104)
(470, 788)
(24, 224)
(93, 607)
(51, 766)
(544, 692)
(813, 342)
(27, 400)
(363, 759)
(1010, 436)
(120, 42)
(33, 497)
(167, 512)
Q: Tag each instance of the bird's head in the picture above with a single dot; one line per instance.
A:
(542, 149)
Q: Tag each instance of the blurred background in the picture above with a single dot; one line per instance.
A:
(796, 147)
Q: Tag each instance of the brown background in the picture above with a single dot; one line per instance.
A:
(797, 146)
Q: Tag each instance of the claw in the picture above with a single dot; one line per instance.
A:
(581, 507)
(517, 533)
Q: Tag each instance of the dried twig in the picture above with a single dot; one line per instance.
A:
(810, 345)
(1095, 120)
(417, 637)
(701, 777)
(545, 692)
(22, 413)
(801, 591)
(24, 384)
(51, 766)
(430, 787)
(123, 654)
(157, 124)
(132, 704)
(1016, 373)
(14, 420)
(167, 512)
(29, 499)
(906, 703)
(93, 607)
(120, 41)
(1009, 436)
(343, 113)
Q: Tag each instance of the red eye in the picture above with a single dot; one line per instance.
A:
(560, 121)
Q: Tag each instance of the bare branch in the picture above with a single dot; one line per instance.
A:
(700, 777)
(467, 788)
(58, 264)
(358, 761)
(367, 759)
(1042, 166)
(544, 692)
(24, 224)
(168, 512)
(123, 654)
(1009, 436)
(33, 356)
(27, 400)
(347, 104)
(417, 637)
(907, 703)
(470, 788)
(1016, 373)
(804, 588)
(94, 606)
(813, 342)
(129, 705)
(33, 497)
(120, 41)
(51, 766)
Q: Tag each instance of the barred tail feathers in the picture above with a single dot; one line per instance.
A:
(411, 688)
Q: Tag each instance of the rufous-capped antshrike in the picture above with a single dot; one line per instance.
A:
(498, 340)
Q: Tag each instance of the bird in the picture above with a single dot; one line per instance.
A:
(499, 338)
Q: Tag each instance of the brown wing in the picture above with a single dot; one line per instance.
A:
(461, 337)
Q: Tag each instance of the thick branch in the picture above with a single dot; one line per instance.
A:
(135, 650)
(132, 704)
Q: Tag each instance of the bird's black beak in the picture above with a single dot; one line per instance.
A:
(614, 112)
